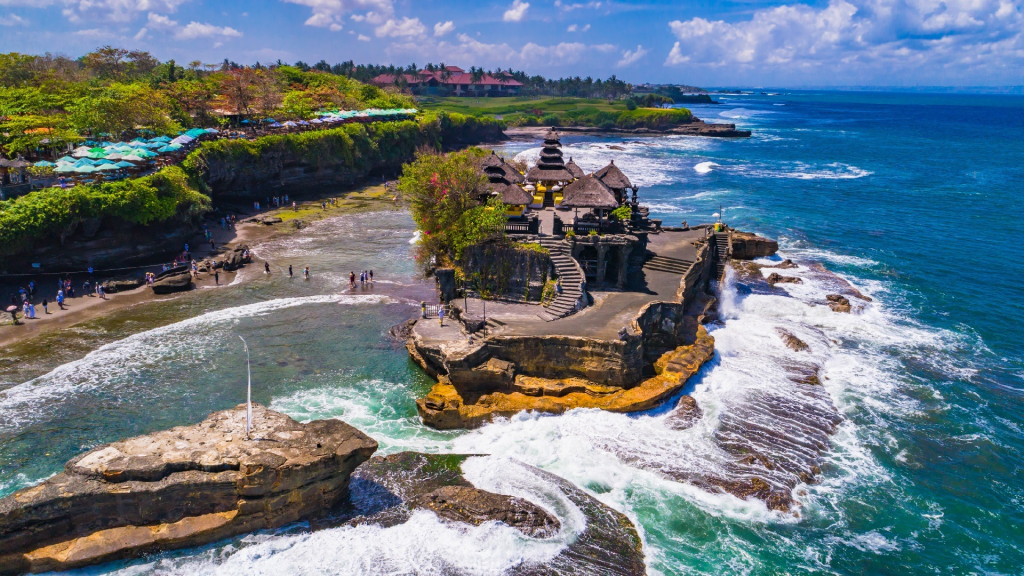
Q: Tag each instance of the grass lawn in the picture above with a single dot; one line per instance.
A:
(551, 111)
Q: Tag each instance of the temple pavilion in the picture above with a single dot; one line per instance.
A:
(550, 174)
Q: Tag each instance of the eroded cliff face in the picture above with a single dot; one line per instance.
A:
(182, 487)
(747, 246)
(449, 406)
(507, 271)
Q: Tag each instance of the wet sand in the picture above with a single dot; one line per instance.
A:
(248, 231)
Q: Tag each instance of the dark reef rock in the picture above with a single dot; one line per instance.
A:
(747, 246)
(776, 278)
(387, 489)
(686, 414)
(785, 264)
(794, 343)
(839, 303)
(182, 487)
(174, 283)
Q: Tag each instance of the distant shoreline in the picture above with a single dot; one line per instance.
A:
(696, 128)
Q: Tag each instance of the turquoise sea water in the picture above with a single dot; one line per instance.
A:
(914, 199)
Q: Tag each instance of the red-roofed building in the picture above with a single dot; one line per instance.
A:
(453, 80)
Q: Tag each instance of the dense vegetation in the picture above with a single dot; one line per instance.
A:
(444, 192)
(50, 101)
(167, 195)
(521, 111)
(182, 194)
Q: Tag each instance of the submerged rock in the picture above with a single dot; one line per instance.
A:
(794, 343)
(785, 264)
(177, 488)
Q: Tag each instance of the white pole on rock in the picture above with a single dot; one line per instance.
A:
(248, 390)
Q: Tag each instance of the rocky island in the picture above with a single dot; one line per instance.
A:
(193, 485)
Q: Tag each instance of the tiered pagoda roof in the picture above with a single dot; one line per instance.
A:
(551, 166)
(504, 181)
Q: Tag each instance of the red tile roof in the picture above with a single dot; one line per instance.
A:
(457, 77)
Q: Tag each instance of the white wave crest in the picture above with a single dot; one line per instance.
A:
(704, 167)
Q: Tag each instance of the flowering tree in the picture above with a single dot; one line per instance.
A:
(445, 195)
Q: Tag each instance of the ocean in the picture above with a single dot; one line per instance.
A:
(914, 199)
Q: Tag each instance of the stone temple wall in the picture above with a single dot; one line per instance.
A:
(507, 271)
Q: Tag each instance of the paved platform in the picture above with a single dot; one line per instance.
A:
(611, 311)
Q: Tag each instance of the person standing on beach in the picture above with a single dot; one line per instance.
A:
(289, 270)
(60, 299)
(103, 294)
(440, 315)
(216, 277)
(305, 273)
(351, 279)
(371, 276)
(45, 304)
(266, 267)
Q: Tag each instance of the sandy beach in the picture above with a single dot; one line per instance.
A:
(248, 231)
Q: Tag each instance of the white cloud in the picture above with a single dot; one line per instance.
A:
(203, 30)
(576, 28)
(440, 29)
(141, 34)
(632, 56)
(516, 12)
(576, 6)
(331, 13)
(363, 38)
(13, 20)
(899, 39)
(106, 10)
(191, 31)
(404, 28)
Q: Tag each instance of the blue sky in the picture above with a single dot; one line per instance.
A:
(742, 42)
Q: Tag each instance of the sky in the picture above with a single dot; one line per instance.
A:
(899, 43)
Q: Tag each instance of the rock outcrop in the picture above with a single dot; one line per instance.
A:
(123, 285)
(747, 246)
(790, 340)
(174, 283)
(386, 490)
(446, 408)
(776, 278)
(686, 414)
(839, 303)
(236, 258)
(181, 487)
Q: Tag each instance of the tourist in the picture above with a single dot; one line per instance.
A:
(293, 206)
(24, 294)
(440, 315)
(31, 310)
(31, 289)
(423, 308)
(24, 309)
(305, 273)
(289, 270)
(212, 245)
(558, 286)
(70, 289)
(216, 277)
(85, 287)
(371, 276)
(266, 267)
(351, 279)
(46, 310)
(103, 293)
(60, 299)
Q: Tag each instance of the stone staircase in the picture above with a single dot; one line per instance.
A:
(720, 247)
(481, 334)
(569, 271)
(667, 264)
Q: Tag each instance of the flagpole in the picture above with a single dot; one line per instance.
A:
(248, 390)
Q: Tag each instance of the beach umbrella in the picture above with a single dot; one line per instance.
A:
(114, 156)
(142, 153)
(132, 158)
(64, 168)
(65, 159)
(85, 169)
(84, 162)
(183, 139)
(289, 123)
(103, 162)
(123, 164)
(97, 155)
(80, 153)
(163, 139)
(105, 167)
(97, 149)
(316, 121)
(275, 125)
(44, 164)
(212, 131)
(169, 148)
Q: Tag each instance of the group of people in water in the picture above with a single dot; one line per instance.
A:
(365, 278)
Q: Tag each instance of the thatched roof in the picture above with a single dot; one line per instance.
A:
(512, 175)
(542, 174)
(552, 136)
(512, 194)
(573, 169)
(491, 160)
(588, 192)
(613, 177)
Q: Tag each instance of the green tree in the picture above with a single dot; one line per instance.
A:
(299, 104)
(120, 108)
(444, 193)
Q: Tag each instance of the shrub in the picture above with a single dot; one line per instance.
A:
(622, 213)
(630, 104)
